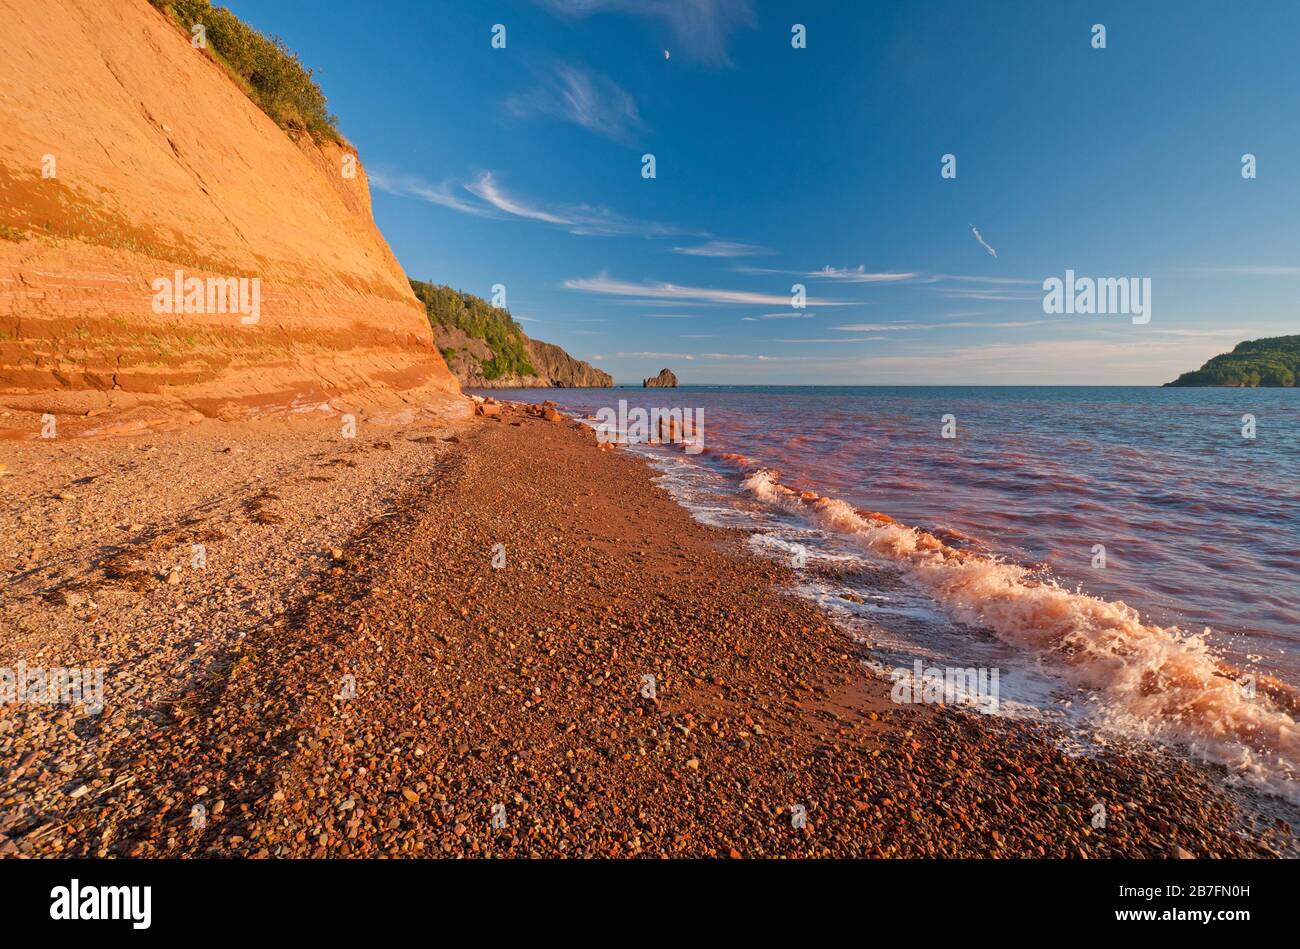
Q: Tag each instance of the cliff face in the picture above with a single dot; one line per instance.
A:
(553, 367)
(127, 156)
(487, 349)
(553, 363)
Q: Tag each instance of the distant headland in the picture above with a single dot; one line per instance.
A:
(1272, 362)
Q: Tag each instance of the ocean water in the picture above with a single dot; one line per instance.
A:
(987, 554)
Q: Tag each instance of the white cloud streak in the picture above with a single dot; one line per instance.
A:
(969, 324)
(1264, 270)
(723, 249)
(488, 199)
(859, 275)
(840, 339)
(486, 189)
(586, 98)
(688, 357)
(607, 286)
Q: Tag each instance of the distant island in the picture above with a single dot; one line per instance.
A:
(1259, 362)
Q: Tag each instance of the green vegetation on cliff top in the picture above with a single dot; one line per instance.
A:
(1260, 362)
(270, 72)
(480, 320)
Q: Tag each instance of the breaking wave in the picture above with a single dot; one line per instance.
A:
(1158, 682)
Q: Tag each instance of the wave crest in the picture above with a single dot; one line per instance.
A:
(1159, 682)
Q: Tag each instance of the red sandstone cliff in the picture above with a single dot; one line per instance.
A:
(162, 163)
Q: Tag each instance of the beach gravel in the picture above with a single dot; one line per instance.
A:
(499, 642)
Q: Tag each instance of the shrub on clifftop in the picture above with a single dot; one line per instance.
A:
(270, 72)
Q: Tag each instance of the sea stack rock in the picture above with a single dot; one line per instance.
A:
(665, 380)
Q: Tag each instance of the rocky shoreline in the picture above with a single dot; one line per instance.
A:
(438, 641)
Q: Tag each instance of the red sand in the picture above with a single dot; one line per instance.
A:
(411, 691)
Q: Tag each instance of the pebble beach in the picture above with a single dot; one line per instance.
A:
(490, 639)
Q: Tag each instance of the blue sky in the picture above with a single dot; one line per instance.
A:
(774, 166)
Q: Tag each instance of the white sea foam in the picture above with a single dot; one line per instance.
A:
(1159, 682)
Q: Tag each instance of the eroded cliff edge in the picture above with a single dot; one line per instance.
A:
(127, 155)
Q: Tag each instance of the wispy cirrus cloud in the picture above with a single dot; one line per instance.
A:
(858, 274)
(487, 190)
(484, 196)
(1259, 270)
(1132, 359)
(968, 324)
(586, 98)
(1232, 332)
(995, 289)
(874, 327)
(445, 194)
(688, 357)
(699, 28)
(607, 286)
(787, 315)
(723, 249)
(997, 296)
(838, 339)
(1019, 281)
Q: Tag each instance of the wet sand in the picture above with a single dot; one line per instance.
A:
(391, 682)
